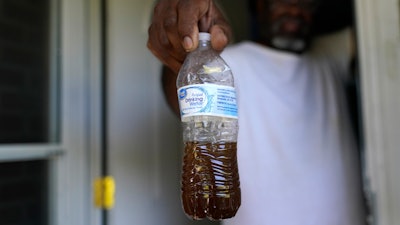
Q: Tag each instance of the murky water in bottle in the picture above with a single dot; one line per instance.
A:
(210, 180)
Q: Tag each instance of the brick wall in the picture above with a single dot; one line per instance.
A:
(23, 70)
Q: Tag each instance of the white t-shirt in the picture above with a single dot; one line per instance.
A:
(297, 155)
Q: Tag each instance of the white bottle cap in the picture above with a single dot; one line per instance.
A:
(204, 36)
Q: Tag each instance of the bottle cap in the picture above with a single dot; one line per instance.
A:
(204, 36)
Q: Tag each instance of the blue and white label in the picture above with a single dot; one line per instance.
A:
(207, 99)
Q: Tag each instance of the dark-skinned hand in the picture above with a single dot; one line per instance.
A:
(175, 28)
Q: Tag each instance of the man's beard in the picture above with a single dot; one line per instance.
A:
(289, 40)
(289, 43)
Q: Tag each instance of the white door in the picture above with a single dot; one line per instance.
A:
(44, 113)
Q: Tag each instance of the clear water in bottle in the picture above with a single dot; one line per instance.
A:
(207, 98)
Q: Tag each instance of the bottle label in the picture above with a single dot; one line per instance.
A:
(207, 99)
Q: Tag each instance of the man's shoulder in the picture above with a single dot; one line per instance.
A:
(239, 50)
(240, 46)
(247, 50)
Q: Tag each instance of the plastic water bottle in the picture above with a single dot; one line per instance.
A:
(207, 98)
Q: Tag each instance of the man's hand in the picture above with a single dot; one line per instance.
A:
(176, 25)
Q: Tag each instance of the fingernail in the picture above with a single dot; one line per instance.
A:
(187, 43)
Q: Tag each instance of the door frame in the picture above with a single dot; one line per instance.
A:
(379, 57)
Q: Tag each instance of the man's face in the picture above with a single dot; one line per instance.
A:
(288, 23)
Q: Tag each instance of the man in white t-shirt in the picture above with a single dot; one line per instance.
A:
(297, 153)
